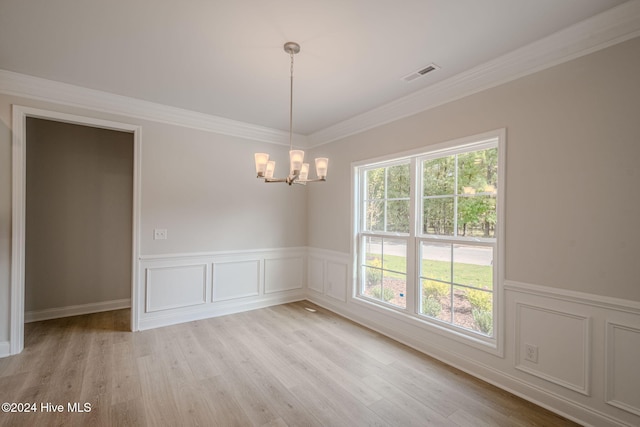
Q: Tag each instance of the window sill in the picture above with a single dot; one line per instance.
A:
(488, 344)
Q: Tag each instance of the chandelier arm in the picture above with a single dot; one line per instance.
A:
(315, 180)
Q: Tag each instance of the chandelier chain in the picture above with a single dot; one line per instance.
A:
(291, 103)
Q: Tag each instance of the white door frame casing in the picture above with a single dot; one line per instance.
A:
(18, 204)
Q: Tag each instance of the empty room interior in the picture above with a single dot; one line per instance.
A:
(300, 213)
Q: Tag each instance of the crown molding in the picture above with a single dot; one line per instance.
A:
(26, 86)
(606, 29)
(613, 26)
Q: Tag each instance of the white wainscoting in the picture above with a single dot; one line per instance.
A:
(588, 351)
(328, 274)
(178, 288)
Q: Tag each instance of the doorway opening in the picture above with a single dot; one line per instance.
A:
(75, 219)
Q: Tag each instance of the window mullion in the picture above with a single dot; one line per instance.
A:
(386, 202)
(412, 259)
(451, 288)
(455, 197)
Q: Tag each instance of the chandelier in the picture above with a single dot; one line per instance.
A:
(298, 170)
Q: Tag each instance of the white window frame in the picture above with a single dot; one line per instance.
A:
(493, 344)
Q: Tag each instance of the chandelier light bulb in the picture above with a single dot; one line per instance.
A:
(322, 164)
(261, 163)
(296, 157)
(304, 172)
(271, 167)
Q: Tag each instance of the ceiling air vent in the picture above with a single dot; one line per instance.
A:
(421, 72)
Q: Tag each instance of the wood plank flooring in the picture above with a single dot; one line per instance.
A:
(278, 366)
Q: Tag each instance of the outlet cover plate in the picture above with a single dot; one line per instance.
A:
(531, 353)
(160, 234)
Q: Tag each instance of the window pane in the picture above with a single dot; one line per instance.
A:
(481, 310)
(373, 251)
(398, 182)
(394, 289)
(438, 176)
(374, 215)
(473, 266)
(436, 261)
(436, 300)
(462, 308)
(398, 216)
(375, 184)
(438, 216)
(476, 216)
(372, 281)
(478, 171)
(394, 255)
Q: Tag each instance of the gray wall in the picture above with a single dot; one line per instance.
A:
(79, 203)
(573, 166)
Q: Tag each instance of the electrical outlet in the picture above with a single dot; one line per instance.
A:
(531, 353)
(160, 234)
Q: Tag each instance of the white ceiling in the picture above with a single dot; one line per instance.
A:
(225, 58)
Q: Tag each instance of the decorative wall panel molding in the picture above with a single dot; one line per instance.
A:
(622, 381)
(336, 285)
(236, 279)
(283, 274)
(561, 343)
(315, 274)
(175, 287)
(328, 273)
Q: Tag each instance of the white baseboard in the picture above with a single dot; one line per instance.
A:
(75, 310)
(174, 317)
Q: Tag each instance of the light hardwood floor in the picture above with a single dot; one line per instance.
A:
(279, 366)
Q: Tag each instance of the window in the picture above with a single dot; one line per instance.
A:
(427, 228)
(386, 229)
